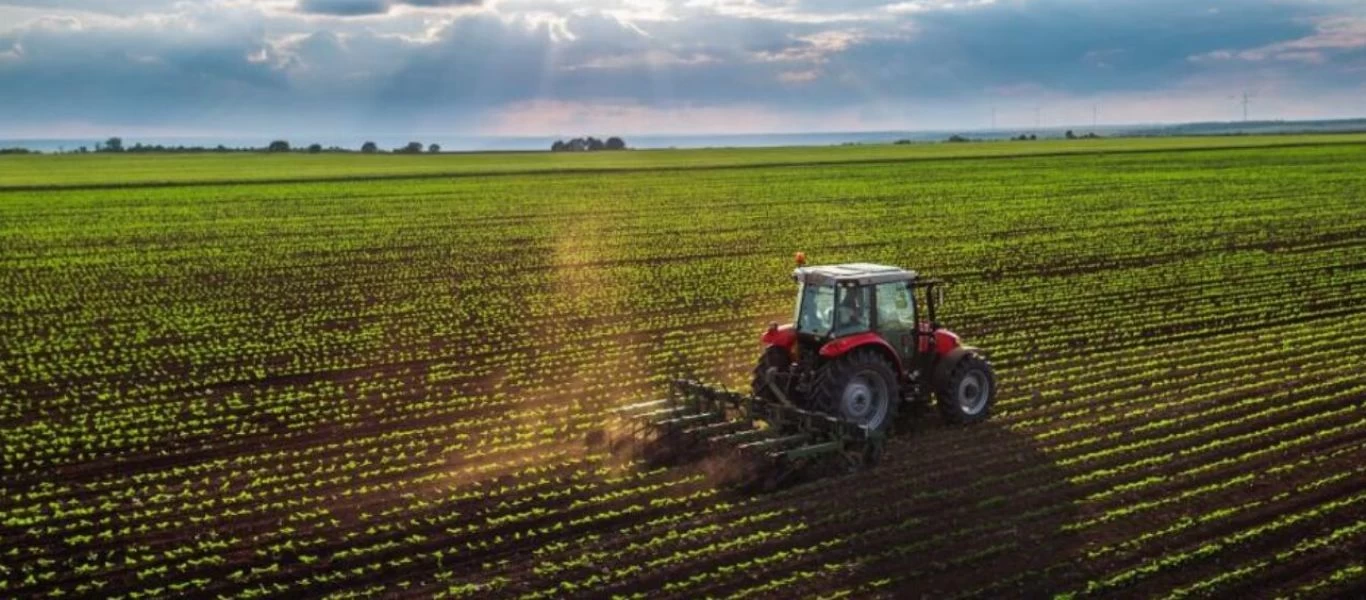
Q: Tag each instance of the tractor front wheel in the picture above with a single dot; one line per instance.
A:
(967, 393)
(860, 387)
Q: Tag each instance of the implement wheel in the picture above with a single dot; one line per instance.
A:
(860, 387)
(967, 393)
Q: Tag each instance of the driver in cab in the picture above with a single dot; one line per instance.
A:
(851, 314)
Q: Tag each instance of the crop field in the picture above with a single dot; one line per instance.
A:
(222, 378)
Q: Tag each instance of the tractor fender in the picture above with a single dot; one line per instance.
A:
(941, 340)
(948, 361)
(945, 342)
(839, 347)
(783, 337)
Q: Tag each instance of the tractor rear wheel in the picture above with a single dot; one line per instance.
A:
(773, 357)
(966, 395)
(860, 387)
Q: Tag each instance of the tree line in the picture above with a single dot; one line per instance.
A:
(588, 144)
(115, 144)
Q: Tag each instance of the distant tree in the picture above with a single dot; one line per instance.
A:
(1032, 137)
(278, 146)
(113, 144)
(369, 148)
(411, 148)
(586, 144)
(957, 139)
(434, 149)
(1069, 135)
(315, 148)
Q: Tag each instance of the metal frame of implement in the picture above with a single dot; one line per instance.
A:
(698, 417)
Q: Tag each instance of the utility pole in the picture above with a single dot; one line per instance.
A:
(993, 116)
(1245, 101)
(1036, 117)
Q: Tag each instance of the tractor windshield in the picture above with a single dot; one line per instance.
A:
(815, 309)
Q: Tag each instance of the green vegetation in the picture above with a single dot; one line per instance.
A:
(320, 383)
(128, 169)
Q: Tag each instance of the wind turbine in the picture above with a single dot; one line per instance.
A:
(1245, 99)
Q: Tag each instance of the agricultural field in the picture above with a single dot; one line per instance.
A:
(222, 377)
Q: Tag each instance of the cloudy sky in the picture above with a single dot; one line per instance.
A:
(545, 67)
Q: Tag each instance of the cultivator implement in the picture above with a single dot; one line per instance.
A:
(748, 440)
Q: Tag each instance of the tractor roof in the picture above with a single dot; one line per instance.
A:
(852, 273)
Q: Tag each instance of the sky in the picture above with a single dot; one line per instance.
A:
(72, 68)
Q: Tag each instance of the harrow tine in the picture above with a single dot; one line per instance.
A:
(775, 442)
(687, 420)
(811, 451)
(719, 429)
(663, 412)
(742, 437)
(643, 405)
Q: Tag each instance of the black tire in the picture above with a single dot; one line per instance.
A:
(968, 392)
(773, 357)
(875, 405)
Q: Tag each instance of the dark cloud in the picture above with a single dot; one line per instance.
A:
(225, 66)
(344, 8)
(356, 8)
(1085, 47)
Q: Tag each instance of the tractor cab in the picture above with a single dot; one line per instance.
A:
(835, 302)
(842, 300)
(863, 336)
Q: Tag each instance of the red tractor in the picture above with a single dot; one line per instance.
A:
(831, 382)
(863, 342)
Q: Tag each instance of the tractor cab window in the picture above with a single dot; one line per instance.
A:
(895, 307)
(827, 310)
(851, 310)
(815, 309)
